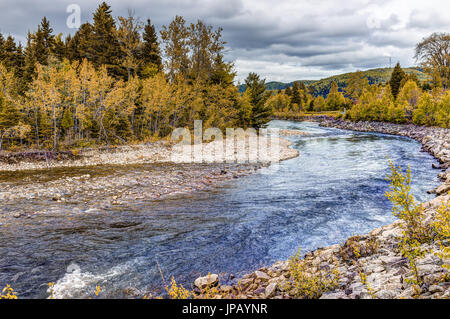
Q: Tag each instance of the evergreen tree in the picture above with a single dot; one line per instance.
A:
(260, 112)
(396, 79)
(29, 67)
(296, 95)
(105, 45)
(79, 46)
(9, 118)
(150, 53)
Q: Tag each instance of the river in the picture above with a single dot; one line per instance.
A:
(334, 189)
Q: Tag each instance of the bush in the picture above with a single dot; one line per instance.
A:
(305, 285)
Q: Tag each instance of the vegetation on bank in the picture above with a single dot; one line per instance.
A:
(405, 98)
(322, 87)
(115, 82)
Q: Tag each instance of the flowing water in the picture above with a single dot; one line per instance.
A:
(334, 189)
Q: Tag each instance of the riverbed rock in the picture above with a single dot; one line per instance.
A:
(262, 276)
(270, 290)
(208, 281)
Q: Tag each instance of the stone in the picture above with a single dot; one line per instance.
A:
(386, 294)
(436, 288)
(262, 275)
(443, 189)
(226, 289)
(333, 295)
(270, 290)
(207, 281)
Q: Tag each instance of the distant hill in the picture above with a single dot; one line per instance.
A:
(275, 86)
(322, 87)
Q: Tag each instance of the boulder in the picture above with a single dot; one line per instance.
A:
(270, 290)
(262, 275)
(207, 281)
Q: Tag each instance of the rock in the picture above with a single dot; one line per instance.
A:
(333, 295)
(17, 215)
(262, 275)
(207, 281)
(443, 189)
(436, 288)
(386, 294)
(270, 290)
(260, 291)
(226, 289)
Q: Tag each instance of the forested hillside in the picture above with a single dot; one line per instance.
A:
(323, 86)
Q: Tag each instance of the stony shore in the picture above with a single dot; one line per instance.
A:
(110, 178)
(380, 271)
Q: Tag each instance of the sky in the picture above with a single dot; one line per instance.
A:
(282, 40)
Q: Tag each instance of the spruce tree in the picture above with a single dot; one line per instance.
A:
(79, 46)
(396, 79)
(260, 112)
(105, 45)
(29, 67)
(150, 53)
(296, 95)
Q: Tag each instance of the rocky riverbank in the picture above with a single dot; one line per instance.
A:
(365, 266)
(109, 178)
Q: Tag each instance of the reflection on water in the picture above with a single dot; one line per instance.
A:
(334, 189)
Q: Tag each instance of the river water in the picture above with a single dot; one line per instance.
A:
(334, 189)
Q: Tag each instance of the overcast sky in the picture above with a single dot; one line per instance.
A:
(283, 40)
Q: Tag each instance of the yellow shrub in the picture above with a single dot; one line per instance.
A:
(309, 286)
(8, 293)
(442, 227)
(178, 291)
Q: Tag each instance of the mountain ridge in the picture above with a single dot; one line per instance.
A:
(322, 86)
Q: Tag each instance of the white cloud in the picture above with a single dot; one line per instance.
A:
(280, 39)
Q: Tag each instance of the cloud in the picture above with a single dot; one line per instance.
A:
(282, 40)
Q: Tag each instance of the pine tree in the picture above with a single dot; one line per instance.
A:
(9, 117)
(396, 79)
(297, 95)
(105, 45)
(79, 46)
(258, 96)
(29, 67)
(150, 54)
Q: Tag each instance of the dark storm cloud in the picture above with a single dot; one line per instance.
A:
(281, 39)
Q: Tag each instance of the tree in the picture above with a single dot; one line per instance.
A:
(335, 99)
(409, 96)
(79, 46)
(105, 45)
(150, 54)
(434, 54)
(356, 85)
(396, 79)
(129, 37)
(319, 104)
(297, 95)
(256, 90)
(176, 38)
(279, 102)
(9, 117)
